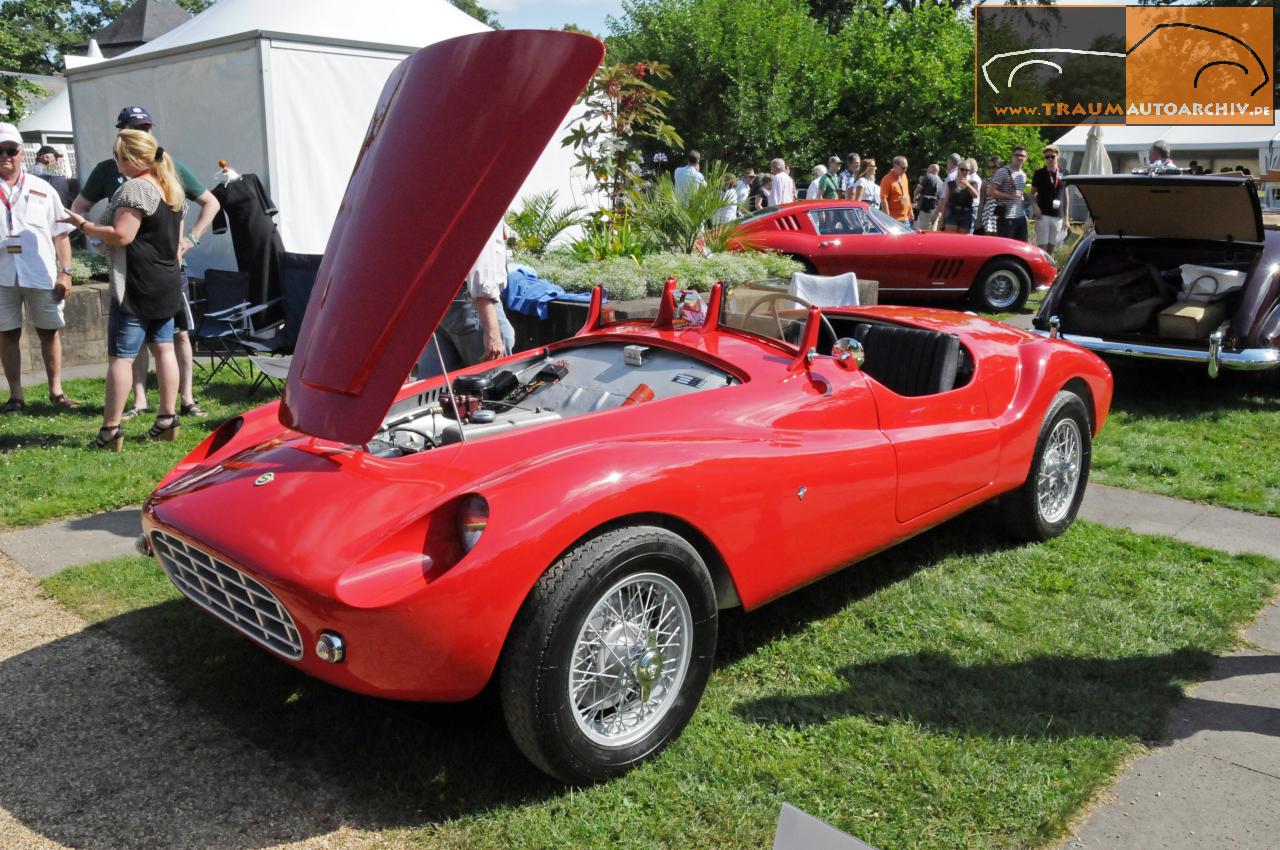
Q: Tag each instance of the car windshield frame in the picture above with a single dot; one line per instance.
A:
(738, 298)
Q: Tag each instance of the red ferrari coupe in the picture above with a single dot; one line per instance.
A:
(834, 237)
(569, 520)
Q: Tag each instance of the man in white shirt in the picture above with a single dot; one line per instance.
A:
(783, 190)
(1159, 156)
(35, 270)
(689, 176)
(744, 187)
(475, 328)
(852, 168)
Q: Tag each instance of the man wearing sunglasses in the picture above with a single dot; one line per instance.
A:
(35, 270)
(1051, 209)
(103, 181)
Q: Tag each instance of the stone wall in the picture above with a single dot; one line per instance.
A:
(84, 339)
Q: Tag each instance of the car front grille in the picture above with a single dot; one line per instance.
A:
(230, 595)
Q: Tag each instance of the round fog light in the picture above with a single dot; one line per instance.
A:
(331, 648)
(142, 546)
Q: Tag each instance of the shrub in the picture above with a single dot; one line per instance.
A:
(626, 278)
(537, 221)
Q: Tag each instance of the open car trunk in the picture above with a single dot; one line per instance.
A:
(1154, 290)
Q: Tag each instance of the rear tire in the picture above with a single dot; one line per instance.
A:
(610, 653)
(1048, 501)
(1002, 286)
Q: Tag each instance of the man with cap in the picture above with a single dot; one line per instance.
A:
(49, 167)
(35, 270)
(102, 182)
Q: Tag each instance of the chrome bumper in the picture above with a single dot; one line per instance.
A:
(1213, 357)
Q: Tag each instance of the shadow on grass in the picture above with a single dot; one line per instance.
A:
(1174, 391)
(228, 747)
(163, 710)
(1047, 697)
(972, 533)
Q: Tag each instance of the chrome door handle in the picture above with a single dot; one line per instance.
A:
(834, 243)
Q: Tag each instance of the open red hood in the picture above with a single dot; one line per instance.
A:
(457, 129)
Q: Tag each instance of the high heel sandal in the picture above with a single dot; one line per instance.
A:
(109, 437)
(164, 432)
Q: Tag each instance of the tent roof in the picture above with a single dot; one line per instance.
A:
(143, 21)
(1139, 138)
(52, 115)
(403, 23)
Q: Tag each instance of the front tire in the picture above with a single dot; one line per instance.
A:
(1048, 501)
(610, 653)
(1002, 286)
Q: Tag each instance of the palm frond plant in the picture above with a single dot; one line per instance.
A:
(683, 223)
(537, 222)
(605, 236)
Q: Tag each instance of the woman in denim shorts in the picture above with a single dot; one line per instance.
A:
(140, 229)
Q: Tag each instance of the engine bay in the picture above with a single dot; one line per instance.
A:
(549, 386)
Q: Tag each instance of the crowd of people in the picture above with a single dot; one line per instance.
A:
(141, 234)
(951, 196)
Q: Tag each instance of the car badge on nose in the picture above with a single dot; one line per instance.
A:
(264, 478)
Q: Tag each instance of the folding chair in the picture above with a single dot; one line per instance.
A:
(272, 357)
(227, 320)
(839, 290)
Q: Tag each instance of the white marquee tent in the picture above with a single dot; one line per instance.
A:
(282, 89)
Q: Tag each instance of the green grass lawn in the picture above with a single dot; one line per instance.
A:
(49, 471)
(953, 692)
(1175, 431)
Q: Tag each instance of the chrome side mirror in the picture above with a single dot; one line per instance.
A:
(848, 353)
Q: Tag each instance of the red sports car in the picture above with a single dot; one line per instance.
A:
(834, 237)
(571, 519)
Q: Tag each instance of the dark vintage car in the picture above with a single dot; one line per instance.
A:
(992, 273)
(1177, 268)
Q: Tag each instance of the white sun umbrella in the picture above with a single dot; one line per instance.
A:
(1095, 160)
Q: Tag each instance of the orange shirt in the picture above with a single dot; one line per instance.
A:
(896, 195)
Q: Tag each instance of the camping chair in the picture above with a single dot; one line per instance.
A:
(227, 320)
(839, 290)
(272, 356)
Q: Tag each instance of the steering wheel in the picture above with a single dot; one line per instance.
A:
(772, 299)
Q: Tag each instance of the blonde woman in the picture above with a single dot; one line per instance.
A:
(866, 188)
(140, 230)
(959, 199)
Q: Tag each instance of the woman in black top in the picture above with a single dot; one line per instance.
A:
(956, 215)
(140, 231)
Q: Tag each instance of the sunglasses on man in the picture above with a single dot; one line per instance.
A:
(10, 152)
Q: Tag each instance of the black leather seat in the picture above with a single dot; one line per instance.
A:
(909, 361)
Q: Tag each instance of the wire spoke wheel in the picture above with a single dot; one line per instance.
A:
(1002, 289)
(1059, 473)
(630, 659)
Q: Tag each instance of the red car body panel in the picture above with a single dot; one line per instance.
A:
(340, 535)
(790, 470)
(384, 283)
(905, 264)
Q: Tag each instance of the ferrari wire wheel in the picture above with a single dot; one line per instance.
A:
(1002, 289)
(630, 659)
(1059, 474)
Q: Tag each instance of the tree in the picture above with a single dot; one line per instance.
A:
(488, 17)
(37, 32)
(751, 79)
(756, 79)
(623, 107)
